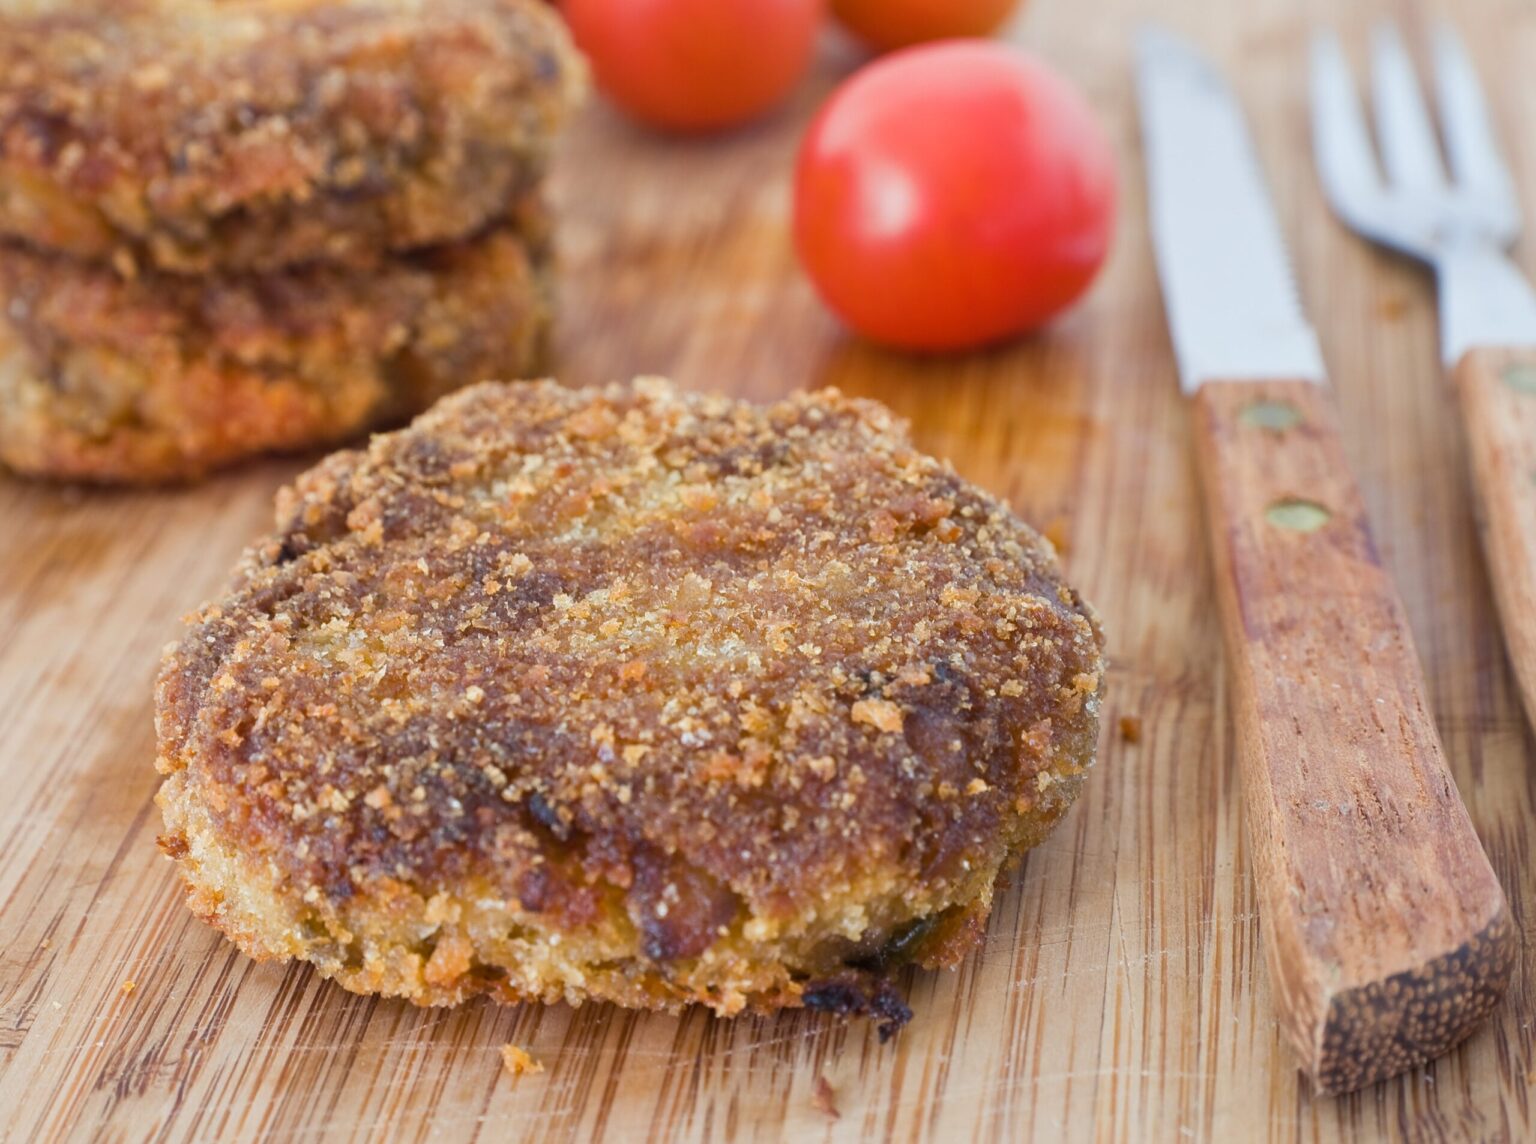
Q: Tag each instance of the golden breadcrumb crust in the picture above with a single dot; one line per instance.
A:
(257, 134)
(627, 694)
(162, 377)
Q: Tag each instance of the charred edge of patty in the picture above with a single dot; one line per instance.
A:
(865, 986)
(861, 994)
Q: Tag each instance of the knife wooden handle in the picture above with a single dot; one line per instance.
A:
(1498, 402)
(1387, 934)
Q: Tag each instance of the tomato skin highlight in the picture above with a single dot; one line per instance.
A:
(952, 196)
(696, 65)
(885, 25)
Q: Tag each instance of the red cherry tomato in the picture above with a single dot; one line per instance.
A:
(695, 65)
(953, 195)
(888, 24)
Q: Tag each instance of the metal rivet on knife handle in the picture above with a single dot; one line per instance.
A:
(1297, 515)
(1520, 376)
(1276, 415)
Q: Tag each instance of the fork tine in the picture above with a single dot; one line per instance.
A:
(1346, 163)
(1469, 141)
(1408, 147)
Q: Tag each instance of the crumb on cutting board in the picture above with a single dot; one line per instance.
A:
(1130, 728)
(129, 987)
(824, 1098)
(519, 1061)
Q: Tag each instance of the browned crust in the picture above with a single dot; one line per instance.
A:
(256, 134)
(161, 377)
(627, 694)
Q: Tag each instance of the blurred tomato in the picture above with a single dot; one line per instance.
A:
(953, 195)
(888, 24)
(696, 65)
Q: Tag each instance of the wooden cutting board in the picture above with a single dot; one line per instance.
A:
(1121, 994)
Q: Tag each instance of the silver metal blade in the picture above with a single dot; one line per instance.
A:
(1469, 138)
(1227, 286)
(1408, 147)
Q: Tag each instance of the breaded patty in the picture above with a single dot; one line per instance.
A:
(162, 377)
(631, 695)
(257, 134)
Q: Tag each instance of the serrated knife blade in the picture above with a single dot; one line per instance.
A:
(1231, 300)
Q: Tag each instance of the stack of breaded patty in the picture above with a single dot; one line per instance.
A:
(229, 227)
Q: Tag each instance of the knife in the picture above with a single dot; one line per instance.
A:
(1386, 933)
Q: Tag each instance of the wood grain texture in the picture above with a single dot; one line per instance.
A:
(1497, 388)
(1386, 933)
(1121, 995)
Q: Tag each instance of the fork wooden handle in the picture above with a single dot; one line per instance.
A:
(1497, 388)
(1387, 934)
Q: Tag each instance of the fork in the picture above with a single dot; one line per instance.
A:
(1460, 222)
